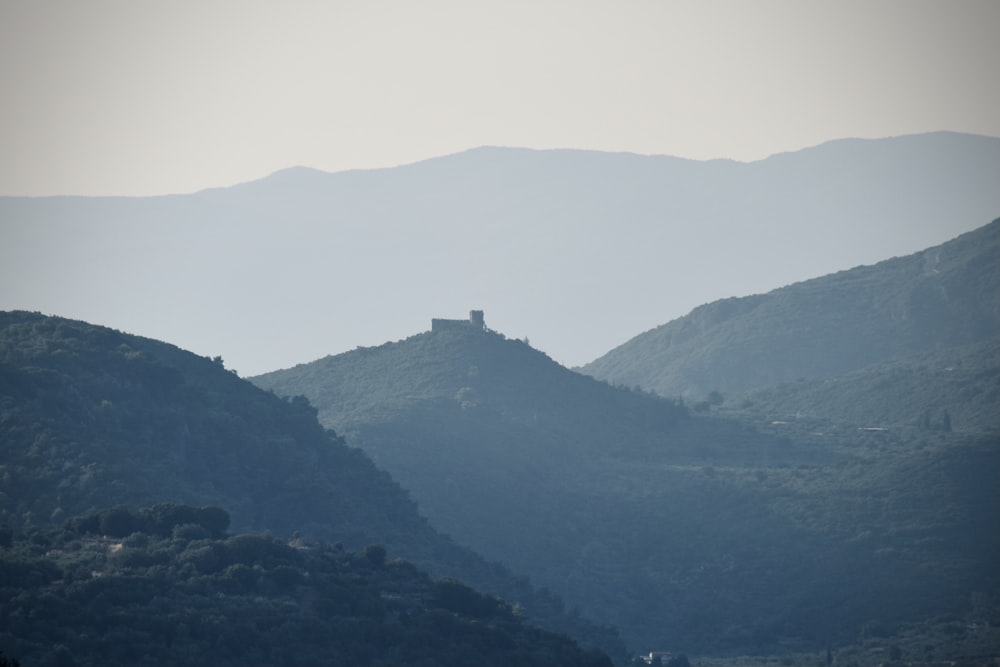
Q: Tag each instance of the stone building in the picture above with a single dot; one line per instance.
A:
(475, 322)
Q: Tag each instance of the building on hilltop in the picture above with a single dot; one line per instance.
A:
(475, 322)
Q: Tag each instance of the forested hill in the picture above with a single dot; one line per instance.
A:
(469, 369)
(945, 296)
(684, 530)
(167, 586)
(92, 418)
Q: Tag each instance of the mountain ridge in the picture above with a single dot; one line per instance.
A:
(496, 148)
(516, 227)
(944, 295)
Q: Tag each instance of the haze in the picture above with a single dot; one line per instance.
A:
(120, 98)
(124, 98)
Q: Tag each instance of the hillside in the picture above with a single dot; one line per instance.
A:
(957, 388)
(687, 532)
(167, 585)
(291, 267)
(945, 296)
(91, 418)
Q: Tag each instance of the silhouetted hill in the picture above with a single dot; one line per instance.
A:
(92, 418)
(687, 532)
(945, 296)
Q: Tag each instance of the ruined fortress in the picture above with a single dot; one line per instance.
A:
(475, 322)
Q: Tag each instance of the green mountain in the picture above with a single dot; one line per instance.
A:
(167, 586)
(945, 296)
(91, 418)
(686, 531)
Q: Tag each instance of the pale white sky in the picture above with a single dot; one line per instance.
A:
(125, 97)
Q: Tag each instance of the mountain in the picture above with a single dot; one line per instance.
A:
(686, 531)
(577, 250)
(944, 296)
(92, 418)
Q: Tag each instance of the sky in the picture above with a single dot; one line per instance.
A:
(140, 98)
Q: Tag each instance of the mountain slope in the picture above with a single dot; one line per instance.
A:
(92, 418)
(558, 245)
(957, 388)
(116, 588)
(948, 295)
(689, 532)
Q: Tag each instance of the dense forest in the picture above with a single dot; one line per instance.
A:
(91, 418)
(167, 585)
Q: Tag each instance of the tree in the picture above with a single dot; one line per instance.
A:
(117, 522)
(455, 596)
(375, 554)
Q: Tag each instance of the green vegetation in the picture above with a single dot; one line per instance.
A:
(957, 388)
(92, 418)
(152, 588)
(940, 298)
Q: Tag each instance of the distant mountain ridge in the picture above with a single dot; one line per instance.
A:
(578, 250)
(948, 295)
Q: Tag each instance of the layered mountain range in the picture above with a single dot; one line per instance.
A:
(92, 419)
(578, 250)
(713, 522)
(808, 467)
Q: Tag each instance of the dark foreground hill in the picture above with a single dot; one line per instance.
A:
(687, 532)
(945, 296)
(91, 418)
(167, 586)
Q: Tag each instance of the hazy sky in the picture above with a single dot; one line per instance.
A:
(125, 97)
